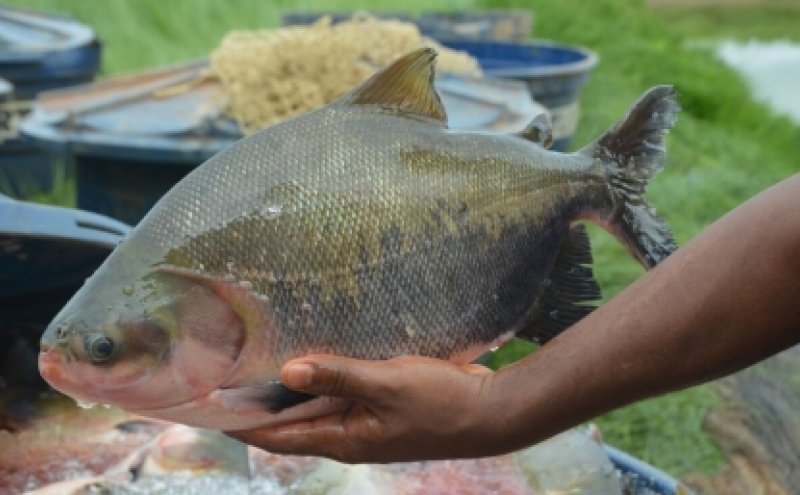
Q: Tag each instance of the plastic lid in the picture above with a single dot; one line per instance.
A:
(26, 36)
(20, 218)
(175, 115)
(44, 51)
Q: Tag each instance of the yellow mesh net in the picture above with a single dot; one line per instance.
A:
(272, 75)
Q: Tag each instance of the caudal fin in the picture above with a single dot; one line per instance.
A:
(632, 152)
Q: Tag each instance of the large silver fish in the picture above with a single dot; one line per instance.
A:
(365, 228)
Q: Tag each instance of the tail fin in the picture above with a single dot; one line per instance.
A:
(631, 153)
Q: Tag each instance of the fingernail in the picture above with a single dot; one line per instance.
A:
(299, 375)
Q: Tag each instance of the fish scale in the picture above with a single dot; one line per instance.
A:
(365, 228)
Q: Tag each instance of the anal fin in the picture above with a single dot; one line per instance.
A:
(569, 290)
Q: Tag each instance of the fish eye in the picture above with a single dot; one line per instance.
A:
(99, 348)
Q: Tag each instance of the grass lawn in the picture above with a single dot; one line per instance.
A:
(724, 149)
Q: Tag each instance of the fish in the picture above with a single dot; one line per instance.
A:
(94, 485)
(180, 459)
(186, 460)
(365, 228)
(184, 448)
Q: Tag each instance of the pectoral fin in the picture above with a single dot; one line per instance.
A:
(272, 397)
(251, 307)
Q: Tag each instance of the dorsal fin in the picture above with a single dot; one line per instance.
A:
(406, 85)
(540, 131)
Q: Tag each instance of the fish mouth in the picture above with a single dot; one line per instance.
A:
(55, 356)
(52, 368)
(49, 363)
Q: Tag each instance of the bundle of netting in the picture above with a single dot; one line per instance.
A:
(272, 75)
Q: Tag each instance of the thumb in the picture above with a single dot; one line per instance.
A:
(333, 376)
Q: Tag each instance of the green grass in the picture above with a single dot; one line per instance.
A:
(724, 149)
(771, 21)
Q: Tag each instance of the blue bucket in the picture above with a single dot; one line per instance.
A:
(554, 73)
(38, 52)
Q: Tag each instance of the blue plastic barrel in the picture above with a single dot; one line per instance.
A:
(554, 73)
(131, 141)
(38, 51)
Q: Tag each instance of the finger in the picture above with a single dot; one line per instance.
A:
(336, 376)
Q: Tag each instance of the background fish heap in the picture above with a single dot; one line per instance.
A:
(103, 451)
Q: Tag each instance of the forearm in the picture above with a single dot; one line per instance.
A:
(726, 300)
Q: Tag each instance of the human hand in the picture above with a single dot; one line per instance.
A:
(403, 409)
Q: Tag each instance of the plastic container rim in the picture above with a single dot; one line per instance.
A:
(584, 65)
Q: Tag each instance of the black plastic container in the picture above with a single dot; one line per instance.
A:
(46, 253)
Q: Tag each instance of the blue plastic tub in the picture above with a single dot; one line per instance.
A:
(554, 73)
(130, 145)
(38, 52)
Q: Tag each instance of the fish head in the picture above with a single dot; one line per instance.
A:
(143, 342)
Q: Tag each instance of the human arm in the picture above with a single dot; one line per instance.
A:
(729, 298)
